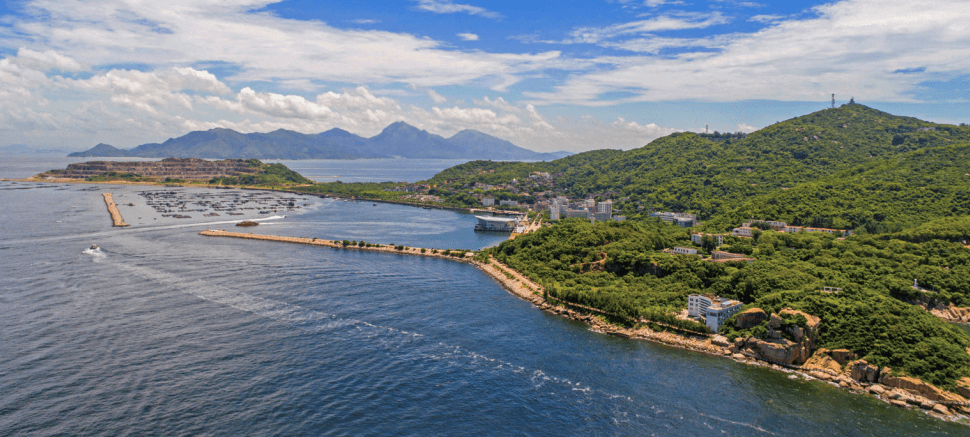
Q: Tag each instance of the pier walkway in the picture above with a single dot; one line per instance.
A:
(116, 219)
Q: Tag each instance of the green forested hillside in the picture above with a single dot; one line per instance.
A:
(806, 165)
(880, 196)
(621, 268)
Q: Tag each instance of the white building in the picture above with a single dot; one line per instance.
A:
(683, 251)
(496, 224)
(605, 207)
(554, 211)
(513, 203)
(698, 238)
(488, 201)
(743, 232)
(712, 309)
(678, 218)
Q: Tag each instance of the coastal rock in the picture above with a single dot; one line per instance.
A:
(774, 321)
(877, 389)
(884, 373)
(781, 351)
(895, 403)
(861, 370)
(842, 356)
(750, 318)
(811, 325)
(941, 409)
(963, 387)
(821, 361)
(927, 404)
(720, 340)
(921, 388)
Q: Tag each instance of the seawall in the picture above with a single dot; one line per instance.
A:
(116, 219)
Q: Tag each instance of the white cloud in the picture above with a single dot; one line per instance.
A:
(437, 98)
(449, 7)
(258, 46)
(365, 21)
(46, 60)
(595, 35)
(843, 48)
(766, 18)
(746, 128)
(468, 36)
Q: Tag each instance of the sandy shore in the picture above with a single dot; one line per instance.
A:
(116, 219)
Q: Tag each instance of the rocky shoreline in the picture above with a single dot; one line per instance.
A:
(838, 368)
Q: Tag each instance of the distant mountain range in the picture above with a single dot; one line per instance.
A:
(397, 140)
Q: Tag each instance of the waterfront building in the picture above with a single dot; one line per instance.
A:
(513, 203)
(496, 224)
(713, 310)
(488, 201)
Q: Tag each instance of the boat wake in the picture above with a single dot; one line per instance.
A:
(95, 252)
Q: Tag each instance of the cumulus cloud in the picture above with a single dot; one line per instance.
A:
(257, 46)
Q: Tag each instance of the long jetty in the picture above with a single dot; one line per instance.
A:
(116, 219)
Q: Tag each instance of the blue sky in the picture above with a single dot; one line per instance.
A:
(545, 75)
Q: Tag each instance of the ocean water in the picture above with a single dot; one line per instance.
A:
(164, 332)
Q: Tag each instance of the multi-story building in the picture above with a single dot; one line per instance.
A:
(678, 218)
(698, 238)
(743, 231)
(554, 211)
(512, 203)
(711, 309)
(605, 207)
(683, 251)
(488, 201)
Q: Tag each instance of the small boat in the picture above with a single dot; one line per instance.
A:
(375, 204)
(94, 247)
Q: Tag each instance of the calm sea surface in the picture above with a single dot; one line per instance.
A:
(165, 332)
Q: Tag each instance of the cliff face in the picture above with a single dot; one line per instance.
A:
(178, 168)
(775, 347)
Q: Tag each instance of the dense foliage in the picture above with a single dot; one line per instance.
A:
(621, 268)
(266, 175)
(851, 167)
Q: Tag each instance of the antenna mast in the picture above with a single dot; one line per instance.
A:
(833, 100)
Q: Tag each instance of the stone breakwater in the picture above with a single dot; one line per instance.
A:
(116, 219)
(890, 390)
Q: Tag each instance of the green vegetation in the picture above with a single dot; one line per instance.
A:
(117, 176)
(273, 175)
(620, 268)
(851, 167)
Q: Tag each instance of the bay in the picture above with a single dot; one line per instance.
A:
(165, 332)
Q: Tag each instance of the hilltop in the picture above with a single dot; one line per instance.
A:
(773, 171)
(396, 140)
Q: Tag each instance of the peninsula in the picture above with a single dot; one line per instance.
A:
(835, 243)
